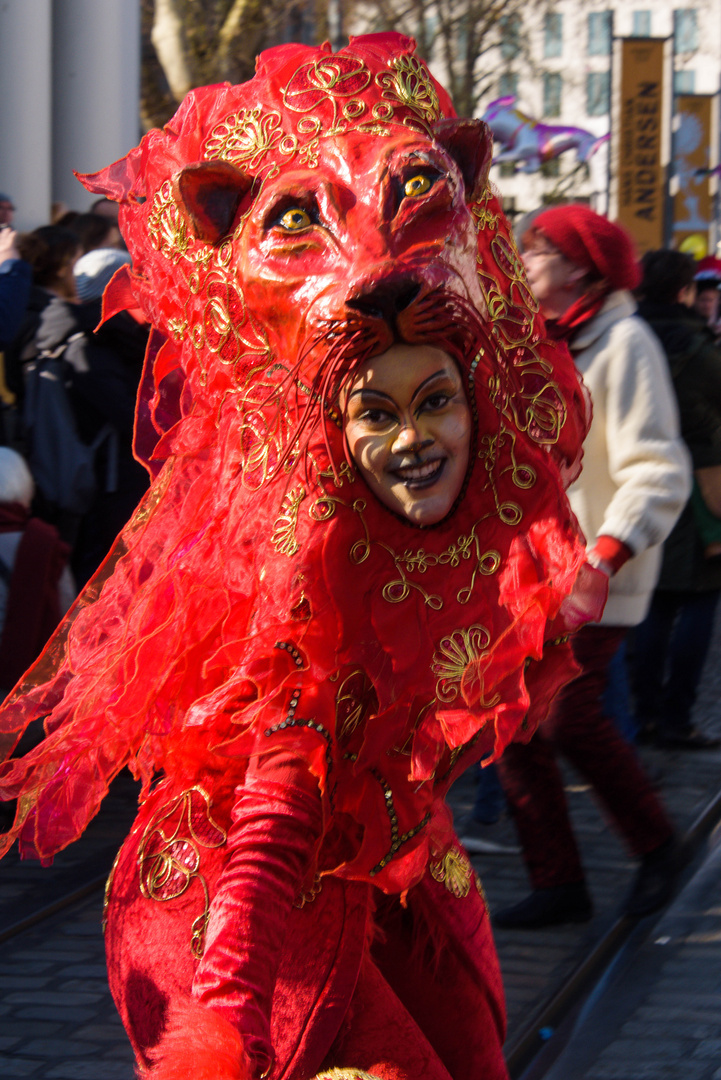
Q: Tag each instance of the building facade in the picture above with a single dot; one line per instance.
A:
(558, 64)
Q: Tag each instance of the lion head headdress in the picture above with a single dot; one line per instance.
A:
(282, 232)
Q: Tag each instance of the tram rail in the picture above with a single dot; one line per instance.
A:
(533, 1043)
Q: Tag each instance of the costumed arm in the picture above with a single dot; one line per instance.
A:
(277, 822)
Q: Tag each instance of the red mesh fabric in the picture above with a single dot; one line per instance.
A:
(260, 597)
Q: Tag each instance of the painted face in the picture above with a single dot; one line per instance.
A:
(554, 279)
(408, 427)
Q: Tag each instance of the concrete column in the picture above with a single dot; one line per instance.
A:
(96, 89)
(25, 115)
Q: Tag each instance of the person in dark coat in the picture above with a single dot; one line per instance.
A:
(106, 368)
(673, 641)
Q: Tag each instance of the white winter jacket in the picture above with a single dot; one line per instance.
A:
(636, 474)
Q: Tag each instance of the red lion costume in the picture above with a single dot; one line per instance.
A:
(299, 673)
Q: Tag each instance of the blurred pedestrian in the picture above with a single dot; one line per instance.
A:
(672, 642)
(97, 231)
(7, 210)
(706, 303)
(16, 277)
(51, 251)
(103, 373)
(634, 483)
(36, 587)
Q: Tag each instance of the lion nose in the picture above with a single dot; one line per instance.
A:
(385, 301)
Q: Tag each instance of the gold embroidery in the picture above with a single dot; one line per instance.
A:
(263, 431)
(283, 538)
(455, 654)
(178, 328)
(330, 79)
(408, 84)
(169, 854)
(344, 1074)
(245, 137)
(454, 870)
(355, 699)
(169, 231)
(483, 217)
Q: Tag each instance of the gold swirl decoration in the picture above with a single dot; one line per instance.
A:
(333, 79)
(168, 229)
(169, 854)
(354, 701)
(284, 539)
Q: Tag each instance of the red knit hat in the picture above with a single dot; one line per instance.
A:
(591, 241)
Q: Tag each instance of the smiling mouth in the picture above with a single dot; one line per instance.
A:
(421, 476)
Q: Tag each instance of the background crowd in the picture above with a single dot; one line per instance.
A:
(67, 404)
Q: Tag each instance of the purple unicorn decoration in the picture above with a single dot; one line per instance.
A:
(532, 142)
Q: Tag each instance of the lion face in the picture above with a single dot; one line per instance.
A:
(357, 244)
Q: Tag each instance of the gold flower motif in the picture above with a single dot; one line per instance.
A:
(454, 870)
(409, 85)
(245, 137)
(454, 654)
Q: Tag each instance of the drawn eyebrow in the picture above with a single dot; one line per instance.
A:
(430, 379)
(371, 391)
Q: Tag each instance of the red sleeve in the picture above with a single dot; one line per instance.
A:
(277, 821)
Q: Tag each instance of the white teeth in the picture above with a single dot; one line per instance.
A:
(419, 472)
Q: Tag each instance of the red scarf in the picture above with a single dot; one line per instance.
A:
(581, 312)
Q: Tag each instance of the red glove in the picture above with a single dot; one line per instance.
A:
(609, 554)
(277, 824)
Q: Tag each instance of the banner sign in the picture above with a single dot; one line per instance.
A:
(642, 120)
(694, 158)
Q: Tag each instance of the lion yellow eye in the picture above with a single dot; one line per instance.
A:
(417, 185)
(294, 220)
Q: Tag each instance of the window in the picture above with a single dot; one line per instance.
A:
(508, 85)
(599, 33)
(510, 36)
(685, 30)
(551, 169)
(552, 85)
(641, 24)
(553, 34)
(598, 84)
(684, 82)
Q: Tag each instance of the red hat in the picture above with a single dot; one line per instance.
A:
(591, 241)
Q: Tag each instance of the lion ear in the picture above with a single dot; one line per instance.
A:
(470, 144)
(211, 192)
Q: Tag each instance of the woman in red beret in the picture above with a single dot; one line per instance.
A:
(634, 483)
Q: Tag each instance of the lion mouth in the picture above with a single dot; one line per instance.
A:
(417, 477)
